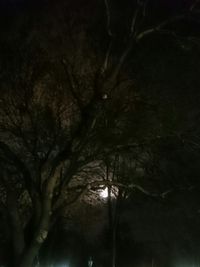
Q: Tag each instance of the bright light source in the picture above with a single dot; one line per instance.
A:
(104, 192)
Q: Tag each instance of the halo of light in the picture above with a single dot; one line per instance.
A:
(104, 193)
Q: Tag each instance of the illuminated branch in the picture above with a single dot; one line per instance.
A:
(145, 7)
(159, 27)
(99, 185)
(106, 60)
(121, 61)
(110, 34)
(133, 22)
(108, 17)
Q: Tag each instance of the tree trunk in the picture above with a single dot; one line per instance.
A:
(16, 226)
(30, 255)
(112, 217)
(114, 228)
(37, 241)
(114, 241)
(43, 227)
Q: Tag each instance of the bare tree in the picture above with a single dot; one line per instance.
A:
(58, 112)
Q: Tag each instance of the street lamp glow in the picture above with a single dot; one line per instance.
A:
(104, 193)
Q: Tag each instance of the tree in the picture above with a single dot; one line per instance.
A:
(60, 108)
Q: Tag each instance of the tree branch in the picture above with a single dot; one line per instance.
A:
(159, 27)
(97, 185)
(108, 18)
(133, 22)
(31, 186)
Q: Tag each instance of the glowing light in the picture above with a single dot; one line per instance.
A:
(104, 193)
